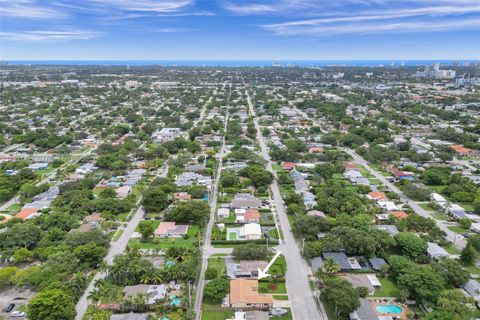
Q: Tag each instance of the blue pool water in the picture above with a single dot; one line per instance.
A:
(174, 301)
(389, 309)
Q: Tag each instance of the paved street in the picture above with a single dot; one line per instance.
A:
(207, 249)
(452, 236)
(49, 176)
(116, 248)
(458, 240)
(304, 306)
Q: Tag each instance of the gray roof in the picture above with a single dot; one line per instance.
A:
(390, 228)
(377, 263)
(340, 258)
(246, 203)
(364, 311)
(435, 251)
(316, 263)
(257, 315)
(472, 286)
(130, 316)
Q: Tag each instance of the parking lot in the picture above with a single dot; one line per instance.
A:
(18, 296)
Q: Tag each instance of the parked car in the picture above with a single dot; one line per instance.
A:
(278, 312)
(18, 314)
(9, 307)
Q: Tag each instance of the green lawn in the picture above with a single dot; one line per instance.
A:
(426, 206)
(389, 289)
(154, 222)
(117, 235)
(15, 207)
(458, 229)
(330, 308)
(217, 263)
(157, 243)
(273, 233)
(122, 216)
(218, 315)
(440, 216)
(232, 236)
(280, 297)
(473, 269)
(267, 287)
(279, 267)
(452, 249)
(288, 316)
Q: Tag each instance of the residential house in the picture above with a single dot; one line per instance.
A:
(154, 293)
(245, 201)
(387, 205)
(364, 312)
(390, 228)
(352, 174)
(38, 166)
(253, 231)
(402, 175)
(123, 191)
(377, 263)
(377, 196)
(472, 287)
(456, 211)
(438, 199)
(316, 213)
(244, 293)
(288, 166)
(171, 230)
(369, 281)
(399, 214)
(223, 213)
(86, 168)
(436, 252)
(166, 134)
(246, 268)
(252, 216)
(181, 196)
(461, 150)
(251, 315)
(93, 217)
(315, 150)
(130, 316)
(345, 263)
(26, 214)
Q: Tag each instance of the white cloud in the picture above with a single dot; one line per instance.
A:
(144, 5)
(384, 20)
(48, 35)
(170, 30)
(27, 9)
(250, 8)
(379, 27)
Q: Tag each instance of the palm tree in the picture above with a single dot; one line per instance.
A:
(103, 267)
(133, 251)
(319, 277)
(331, 266)
(157, 277)
(145, 279)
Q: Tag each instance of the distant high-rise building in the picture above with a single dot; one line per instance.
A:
(433, 71)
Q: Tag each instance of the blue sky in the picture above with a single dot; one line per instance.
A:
(239, 29)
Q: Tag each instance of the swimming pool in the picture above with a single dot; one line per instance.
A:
(175, 301)
(382, 308)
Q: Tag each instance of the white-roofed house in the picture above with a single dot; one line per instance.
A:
(436, 252)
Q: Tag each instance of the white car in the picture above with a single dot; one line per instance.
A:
(18, 314)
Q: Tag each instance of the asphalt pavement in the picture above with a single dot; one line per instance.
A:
(301, 296)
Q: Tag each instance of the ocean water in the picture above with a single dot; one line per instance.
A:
(233, 63)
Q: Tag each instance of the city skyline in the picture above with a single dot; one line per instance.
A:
(239, 30)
